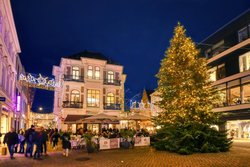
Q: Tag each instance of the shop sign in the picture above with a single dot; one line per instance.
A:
(2, 99)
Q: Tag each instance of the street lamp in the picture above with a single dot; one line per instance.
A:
(40, 108)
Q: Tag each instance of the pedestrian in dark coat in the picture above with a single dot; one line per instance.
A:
(55, 138)
(44, 142)
(11, 138)
(38, 142)
(66, 145)
(29, 137)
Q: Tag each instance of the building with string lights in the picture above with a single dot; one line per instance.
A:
(90, 84)
(228, 54)
(13, 96)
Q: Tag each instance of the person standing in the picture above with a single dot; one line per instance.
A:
(66, 145)
(11, 138)
(29, 137)
(55, 138)
(44, 142)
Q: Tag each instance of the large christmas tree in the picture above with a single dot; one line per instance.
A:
(187, 99)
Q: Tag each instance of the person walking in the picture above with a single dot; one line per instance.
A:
(66, 145)
(21, 139)
(11, 138)
(44, 142)
(29, 137)
(55, 138)
(38, 142)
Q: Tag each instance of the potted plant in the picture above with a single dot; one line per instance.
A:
(90, 145)
(127, 136)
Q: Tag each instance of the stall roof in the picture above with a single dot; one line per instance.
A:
(75, 118)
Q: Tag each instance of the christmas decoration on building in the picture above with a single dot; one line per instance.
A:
(32, 80)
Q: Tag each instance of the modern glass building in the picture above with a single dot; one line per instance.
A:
(228, 54)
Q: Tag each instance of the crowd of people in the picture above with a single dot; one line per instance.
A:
(35, 139)
(33, 142)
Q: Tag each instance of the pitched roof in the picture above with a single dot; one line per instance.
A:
(92, 55)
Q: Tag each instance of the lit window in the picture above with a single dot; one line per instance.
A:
(110, 77)
(75, 72)
(97, 72)
(110, 99)
(93, 98)
(244, 62)
(90, 71)
(75, 96)
(212, 73)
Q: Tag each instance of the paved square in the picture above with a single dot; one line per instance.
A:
(239, 156)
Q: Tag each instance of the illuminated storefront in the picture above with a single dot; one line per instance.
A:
(239, 129)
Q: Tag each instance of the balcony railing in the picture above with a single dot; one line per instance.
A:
(72, 104)
(108, 106)
(112, 82)
(73, 78)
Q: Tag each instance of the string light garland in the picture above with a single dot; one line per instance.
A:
(39, 82)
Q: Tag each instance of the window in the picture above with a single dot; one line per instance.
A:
(110, 99)
(246, 93)
(243, 34)
(97, 72)
(218, 48)
(93, 98)
(223, 95)
(75, 96)
(221, 72)
(244, 61)
(75, 72)
(110, 77)
(212, 73)
(67, 88)
(234, 96)
(90, 71)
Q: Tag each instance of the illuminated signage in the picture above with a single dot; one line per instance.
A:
(18, 103)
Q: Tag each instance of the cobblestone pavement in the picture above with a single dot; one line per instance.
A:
(239, 156)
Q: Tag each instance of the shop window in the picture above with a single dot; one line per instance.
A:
(93, 98)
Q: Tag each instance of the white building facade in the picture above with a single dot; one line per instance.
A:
(9, 49)
(89, 86)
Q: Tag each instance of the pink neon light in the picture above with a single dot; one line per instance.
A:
(18, 103)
